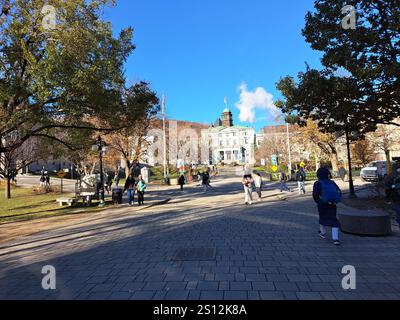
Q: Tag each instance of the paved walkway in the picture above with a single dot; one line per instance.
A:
(270, 250)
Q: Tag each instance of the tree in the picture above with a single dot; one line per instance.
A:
(384, 139)
(362, 152)
(53, 81)
(370, 54)
(325, 142)
(130, 143)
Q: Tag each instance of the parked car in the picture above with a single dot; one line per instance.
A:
(375, 171)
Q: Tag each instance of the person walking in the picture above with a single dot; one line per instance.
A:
(47, 181)
(327, 195)
(108, 183)
(181, 181)
(248, 189)
(140, 188)
(282, 179)
(206, 181)
(258, 184)
(388, 185)
(42, 181)
(301, 180)
(130, 188)
(116, 177)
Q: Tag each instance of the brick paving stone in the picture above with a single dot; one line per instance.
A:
(286, 286)
(327, 296)
(309, 296)
(303, 286)
(194, 295)
(191, 285)
(177, 295)
(326, 287)
(277, 278)
(207, 285)
(235, 295)
(289, 295)
(223, 286)
(255, 277)
(193, 277)
(211, 295)
(99, 296)
(154, 286)
(263, 286)
(269, 295)
(224, 277)
(176, 285)
(142, 295)
(298, 278)
(119, 296)
(253, 295)
(241, 286)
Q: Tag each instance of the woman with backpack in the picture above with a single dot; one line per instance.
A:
(327, 195)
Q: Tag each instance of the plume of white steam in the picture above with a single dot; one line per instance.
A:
(252, 100)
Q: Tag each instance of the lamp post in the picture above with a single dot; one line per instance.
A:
(101, 147)
(289, 151)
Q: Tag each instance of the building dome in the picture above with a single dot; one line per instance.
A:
(226, 110)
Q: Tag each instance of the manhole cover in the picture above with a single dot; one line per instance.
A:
(195, 254)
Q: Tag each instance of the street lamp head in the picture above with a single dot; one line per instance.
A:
(95, 147)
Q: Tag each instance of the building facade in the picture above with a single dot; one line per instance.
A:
(231, 143)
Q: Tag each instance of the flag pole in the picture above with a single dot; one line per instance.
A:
(165, 141)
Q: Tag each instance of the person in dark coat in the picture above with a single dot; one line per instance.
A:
(388, 183)
(130, 185)
(327, 211)
(181, 181)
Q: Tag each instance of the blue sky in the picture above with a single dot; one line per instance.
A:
(198, 52)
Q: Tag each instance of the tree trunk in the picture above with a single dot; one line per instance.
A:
(335, 162)
(388, 163)
(127, 167)
(8, 188)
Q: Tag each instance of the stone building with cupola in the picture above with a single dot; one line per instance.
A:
(231, 143)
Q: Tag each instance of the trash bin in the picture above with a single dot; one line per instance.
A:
(117, 196)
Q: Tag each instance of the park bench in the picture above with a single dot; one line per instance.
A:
(67, 201)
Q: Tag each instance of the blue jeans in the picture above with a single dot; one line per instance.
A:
(131, 196)
(284, 186)
(397, 208)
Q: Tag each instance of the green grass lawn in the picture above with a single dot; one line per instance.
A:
(25, 204)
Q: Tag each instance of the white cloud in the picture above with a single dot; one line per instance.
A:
(250, 101)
